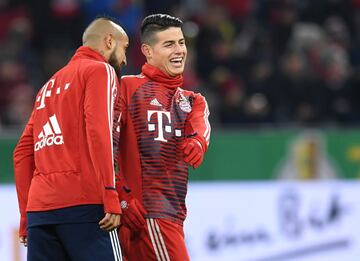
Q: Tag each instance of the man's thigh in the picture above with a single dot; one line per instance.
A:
(159, 240)
(86, 242)
(44, 244)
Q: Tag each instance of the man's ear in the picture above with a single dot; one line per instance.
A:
(109, 41)
(146, 50)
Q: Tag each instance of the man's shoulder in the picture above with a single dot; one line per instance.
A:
(131, 77)
(96, 65)
(133, 80)
(190, 93)
(89, 66)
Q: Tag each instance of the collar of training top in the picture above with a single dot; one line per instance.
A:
(156, 75)
(87, 52)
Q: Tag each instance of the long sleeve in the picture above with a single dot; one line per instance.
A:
(24, 167)
(121, 115)
(100, 92)
(197, 123)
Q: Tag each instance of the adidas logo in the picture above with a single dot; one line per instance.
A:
(50, 135)
(155, 102)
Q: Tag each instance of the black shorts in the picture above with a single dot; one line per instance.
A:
(80, 242)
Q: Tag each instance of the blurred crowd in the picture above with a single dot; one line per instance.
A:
(258, 62)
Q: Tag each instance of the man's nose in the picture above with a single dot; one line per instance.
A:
(179, 48)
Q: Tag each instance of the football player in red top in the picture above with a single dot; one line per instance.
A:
(63, 162)
(162, 130)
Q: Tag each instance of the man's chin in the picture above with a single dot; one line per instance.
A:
(177, 71)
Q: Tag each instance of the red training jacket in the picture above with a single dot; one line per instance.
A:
(156, 116)
(65, 155)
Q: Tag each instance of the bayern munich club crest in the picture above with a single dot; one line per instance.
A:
(184, 104)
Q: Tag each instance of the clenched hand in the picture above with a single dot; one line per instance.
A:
(110, 222)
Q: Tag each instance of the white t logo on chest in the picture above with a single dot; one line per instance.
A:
(162, 125)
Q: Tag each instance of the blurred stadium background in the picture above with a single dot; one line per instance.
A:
(282, 78)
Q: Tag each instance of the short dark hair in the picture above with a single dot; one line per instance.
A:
(156, 23)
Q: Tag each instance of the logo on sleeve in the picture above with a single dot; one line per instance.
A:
(184, 103)
(50, 135)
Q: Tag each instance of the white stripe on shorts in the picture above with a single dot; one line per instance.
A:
(115, 245)
(157, 240)
(161, 240)
(153, 240)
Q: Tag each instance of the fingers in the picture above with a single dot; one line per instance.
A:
(130, 223)
(104, 221)
(139, 217)
(110, 222)
(192, 158)
(133, 217)
(197, 163)
(23, 240)
(193, 154)
(189, 147)
(184, 144)
(137, 220)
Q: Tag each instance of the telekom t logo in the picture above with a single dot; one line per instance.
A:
(47, 90)
(161, 125)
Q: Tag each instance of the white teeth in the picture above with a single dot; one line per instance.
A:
(176, 60)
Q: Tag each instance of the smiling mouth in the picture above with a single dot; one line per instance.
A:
(177, 62)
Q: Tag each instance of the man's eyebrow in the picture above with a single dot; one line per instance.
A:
(169, 41)
(173, 41)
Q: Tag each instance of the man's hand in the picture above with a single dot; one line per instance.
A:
(193, 152)
(23, 240)
(110, 222)
(133, 214)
